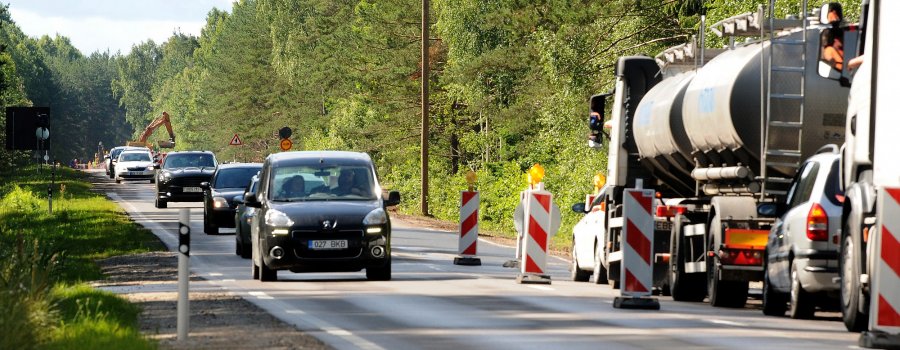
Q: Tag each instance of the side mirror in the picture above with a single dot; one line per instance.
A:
(204, 185)
(831, 13)
(578, 207)
(771, 210)
(251, 201)
(393, 199)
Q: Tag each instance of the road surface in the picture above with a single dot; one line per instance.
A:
(431, 303)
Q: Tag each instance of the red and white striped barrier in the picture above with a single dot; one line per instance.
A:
(637, 263)
(537, 231)
(468, 229)
(885, 315)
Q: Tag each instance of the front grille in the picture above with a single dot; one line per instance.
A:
(189, 181)
(137, 168)
(301, 240)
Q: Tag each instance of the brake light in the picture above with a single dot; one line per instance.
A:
(668, 211)
(817, 223)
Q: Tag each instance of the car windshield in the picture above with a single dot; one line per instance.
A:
(309, 183)
(195, 160)
(115, 153)
(234, 177)
(134, 157)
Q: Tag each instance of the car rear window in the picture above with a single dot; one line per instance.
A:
(802, 187)
(234, 177)
(833, 185)
(312, 183)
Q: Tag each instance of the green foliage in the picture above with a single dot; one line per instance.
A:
(27, 276)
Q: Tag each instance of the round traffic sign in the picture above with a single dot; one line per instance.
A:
(285, 132)
(286, 144)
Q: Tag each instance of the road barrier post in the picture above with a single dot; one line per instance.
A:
(536, 237)
(519, 224)
(637, 252)
(884, 318)
(468, 229)
(184, 249)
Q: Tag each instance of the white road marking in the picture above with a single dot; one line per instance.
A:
(261, 295)
(541, 288)
(215, 274)
(728, 323)
(228, 280)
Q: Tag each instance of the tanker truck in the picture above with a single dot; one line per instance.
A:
(870, 252)
(715, 136)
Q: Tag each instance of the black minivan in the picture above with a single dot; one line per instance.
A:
(320, 211)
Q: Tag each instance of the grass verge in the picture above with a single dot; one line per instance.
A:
(49, 257)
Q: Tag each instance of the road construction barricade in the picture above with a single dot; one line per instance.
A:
(536, 236)
(637, 253)
(884, 318)
(468, 229)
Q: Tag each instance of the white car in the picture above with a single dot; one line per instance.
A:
(588, 240)
(134, 165)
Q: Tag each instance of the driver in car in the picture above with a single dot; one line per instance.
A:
(346, 182)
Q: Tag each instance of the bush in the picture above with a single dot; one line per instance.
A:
(27, 310)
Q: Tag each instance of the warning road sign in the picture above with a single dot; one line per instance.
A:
(235, 141)
(286, 144)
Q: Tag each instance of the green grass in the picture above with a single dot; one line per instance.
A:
(47, 257)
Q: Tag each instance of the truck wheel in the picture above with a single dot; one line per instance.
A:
(601, 276)
(722, 293)
(577, 274)
(161, 204)
(774, 302)
(379, 273)
(683, 286)
(802, 306)
(851, 292)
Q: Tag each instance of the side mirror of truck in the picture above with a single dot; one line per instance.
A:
(578, 207)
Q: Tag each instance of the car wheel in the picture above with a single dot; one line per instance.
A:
(238, 247)
(265, 273)
(601, 276)
(774, 302)
(208, 227)
(577, 274)
(854, 320)
(802, 303)
(254, 270)
(161, 204)
(118, 180)
(379, 273)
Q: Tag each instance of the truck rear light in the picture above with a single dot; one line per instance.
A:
(747, 257)
(817, 223)
(668, 211)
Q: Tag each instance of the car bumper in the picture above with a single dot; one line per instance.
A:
(222, 217)
(176, 194)
(298, 257)
(817, 270)
(135, 175)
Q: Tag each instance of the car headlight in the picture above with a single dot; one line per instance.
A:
(377, 218)
(219, 202)
(278, 219)
(165, 176)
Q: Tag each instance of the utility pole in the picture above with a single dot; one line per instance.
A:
(425, 75)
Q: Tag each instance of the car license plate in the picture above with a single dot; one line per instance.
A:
(327, 244)
(135, 173)
(193, 189)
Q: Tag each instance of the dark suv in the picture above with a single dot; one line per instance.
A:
(320, 212)
(228, 181)
(179, 178)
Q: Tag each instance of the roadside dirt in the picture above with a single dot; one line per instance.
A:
(218, 320)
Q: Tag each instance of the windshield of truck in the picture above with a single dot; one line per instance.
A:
(310, 183)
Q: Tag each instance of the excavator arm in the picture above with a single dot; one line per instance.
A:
(155, 124)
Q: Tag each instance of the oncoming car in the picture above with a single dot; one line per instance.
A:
(242, 217)
(180, 176)
(320, 212)
(134, 165)
(228, 181)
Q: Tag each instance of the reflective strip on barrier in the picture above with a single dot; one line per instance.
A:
(886, 279)
(637, 266)
(468, 223)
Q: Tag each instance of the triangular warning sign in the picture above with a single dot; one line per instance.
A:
(235, 141)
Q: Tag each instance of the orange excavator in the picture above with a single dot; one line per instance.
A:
(156, 123)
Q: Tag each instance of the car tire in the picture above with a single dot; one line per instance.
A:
(379, 273)
(802, 302)
(774, 302)
(601, 276)
(254, 270)
(578, 275)
(851, 292)
(118, 180)
(161, 203)
(245, 253)
(238, 247)
(208, 227)
(266, 274)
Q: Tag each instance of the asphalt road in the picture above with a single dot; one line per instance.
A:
(431, 303)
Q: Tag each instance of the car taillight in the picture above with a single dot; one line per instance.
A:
(817, 223)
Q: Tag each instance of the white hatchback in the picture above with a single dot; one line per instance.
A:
(134, 165)
(588, 238)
